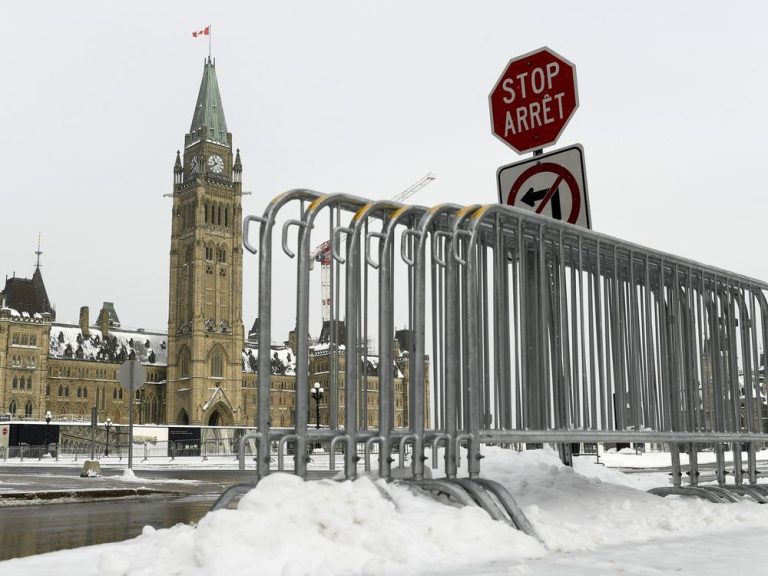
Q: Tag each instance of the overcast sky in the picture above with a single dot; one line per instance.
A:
(366, 97)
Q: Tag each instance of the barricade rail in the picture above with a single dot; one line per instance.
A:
(76, 448)
(521, 329)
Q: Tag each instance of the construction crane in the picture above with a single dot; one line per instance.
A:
(322, 253)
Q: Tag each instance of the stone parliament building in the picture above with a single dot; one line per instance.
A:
(203, 370)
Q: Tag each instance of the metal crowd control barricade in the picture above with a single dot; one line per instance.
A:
(596, 339)
(337, 205)
(264, 250)
(538, 331)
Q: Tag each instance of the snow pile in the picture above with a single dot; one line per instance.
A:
(591, 506)
(290, 527)
(587, 517)
(628, 458)
(349, 527)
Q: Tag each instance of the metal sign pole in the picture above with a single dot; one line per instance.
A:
(131, 374)
(130, 418)
(93, 433)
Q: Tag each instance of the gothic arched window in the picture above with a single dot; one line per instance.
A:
(184, 361)
(155, 406)
(217, 364)
(28, 409)
(12, 408)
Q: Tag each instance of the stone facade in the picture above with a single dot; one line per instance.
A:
(23, 362)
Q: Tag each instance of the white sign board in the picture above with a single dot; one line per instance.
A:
(131, 375)
(553, 184)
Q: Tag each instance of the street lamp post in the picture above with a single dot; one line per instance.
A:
(47, 424)
(108, 425)
(317, 394)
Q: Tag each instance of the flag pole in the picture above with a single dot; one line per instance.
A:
(210, 33)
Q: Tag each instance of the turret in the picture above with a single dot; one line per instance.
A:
(237, 170)
(178, 171)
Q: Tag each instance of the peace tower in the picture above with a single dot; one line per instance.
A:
(205, 325)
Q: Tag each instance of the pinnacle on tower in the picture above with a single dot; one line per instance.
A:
(38, 252)
(208, 121)
(237, 169)
(238, 163)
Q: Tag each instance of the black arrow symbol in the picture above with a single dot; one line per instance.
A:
(531, 196)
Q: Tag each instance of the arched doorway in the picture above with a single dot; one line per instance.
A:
(182, 418)
(220, 415)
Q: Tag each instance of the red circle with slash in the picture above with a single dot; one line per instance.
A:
(561, 175)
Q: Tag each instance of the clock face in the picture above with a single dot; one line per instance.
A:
(216, 164)
(193, 165)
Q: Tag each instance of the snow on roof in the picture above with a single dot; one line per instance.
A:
(371, 367)
(283, 360)
(67, 341)
(324, 348)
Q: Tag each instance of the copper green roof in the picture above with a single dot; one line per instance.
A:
(208, 121)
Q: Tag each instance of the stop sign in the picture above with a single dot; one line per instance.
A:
(533, 100)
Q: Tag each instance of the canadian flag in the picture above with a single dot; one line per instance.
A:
(204, 32)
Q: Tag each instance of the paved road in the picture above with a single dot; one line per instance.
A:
(44, 527)
(36, 529)
(187, 494)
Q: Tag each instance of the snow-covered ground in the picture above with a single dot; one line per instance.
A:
(593, 519)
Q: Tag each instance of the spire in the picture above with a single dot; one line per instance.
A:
(208, 122)
(238, 163)
(178, 171)
(38, 252)
(237, 170)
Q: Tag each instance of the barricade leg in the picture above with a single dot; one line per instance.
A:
(738, 472)
(674, 452)
(720, 464)
(693, 469)
(752, 463)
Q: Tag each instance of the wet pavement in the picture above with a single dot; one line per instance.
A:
(43, 509)
(29, 530)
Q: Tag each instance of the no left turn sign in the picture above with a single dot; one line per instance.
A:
(551, 184)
